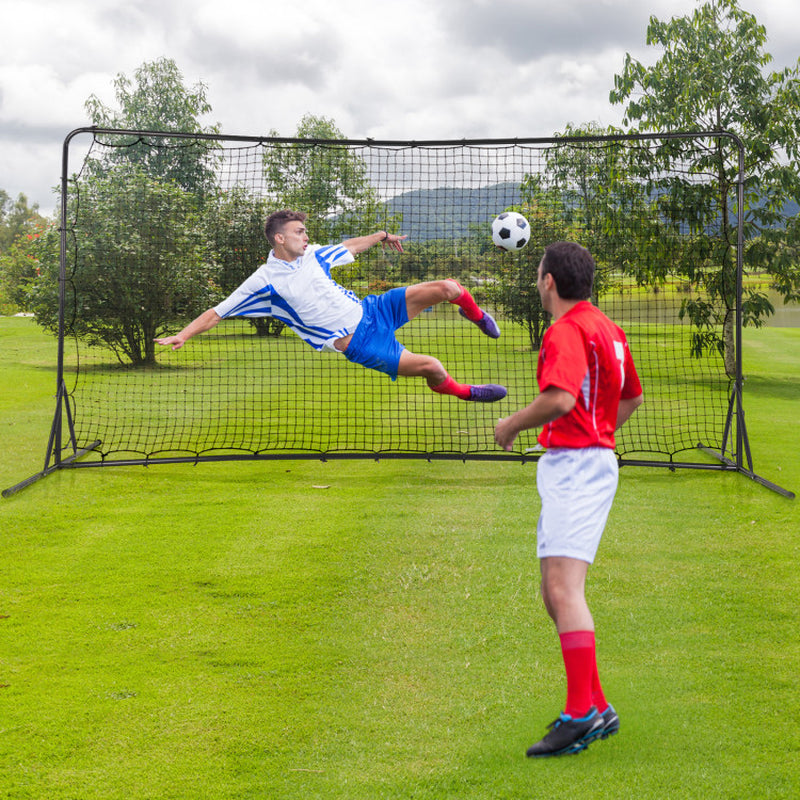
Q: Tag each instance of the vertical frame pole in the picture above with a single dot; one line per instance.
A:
(742, 443)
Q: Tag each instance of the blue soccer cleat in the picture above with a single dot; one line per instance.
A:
(486, 324)
(487, 393)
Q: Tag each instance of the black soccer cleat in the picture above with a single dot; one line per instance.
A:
(568, 735)
(610, 722)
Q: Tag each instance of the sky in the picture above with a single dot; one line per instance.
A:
(385, 69)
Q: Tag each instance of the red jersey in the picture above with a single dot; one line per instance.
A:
(586, 354)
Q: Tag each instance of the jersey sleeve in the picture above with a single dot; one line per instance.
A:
(562, 360)
(332, 255)
(632, 386)
(252, 299)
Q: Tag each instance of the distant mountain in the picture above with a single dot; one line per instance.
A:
(451, 212)
(448, 212)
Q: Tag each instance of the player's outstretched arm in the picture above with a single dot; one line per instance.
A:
(362, 243)
(206, 321)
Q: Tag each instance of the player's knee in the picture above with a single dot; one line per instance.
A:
(443, 291)
(556, 596)
(452, 289)
(421, 366)
(433, 370)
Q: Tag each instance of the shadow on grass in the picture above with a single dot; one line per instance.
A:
(775, 388)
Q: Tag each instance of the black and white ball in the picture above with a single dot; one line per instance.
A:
(511, 231)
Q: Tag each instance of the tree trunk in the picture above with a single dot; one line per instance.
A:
(729, 342)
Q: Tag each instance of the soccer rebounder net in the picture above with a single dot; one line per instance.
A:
(157, 227)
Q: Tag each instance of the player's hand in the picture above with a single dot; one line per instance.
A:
(394, 241)
(505, 433)
(170, 341)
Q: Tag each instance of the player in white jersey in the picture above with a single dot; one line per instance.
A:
(295, 286)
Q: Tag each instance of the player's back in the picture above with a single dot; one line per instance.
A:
(592, 360)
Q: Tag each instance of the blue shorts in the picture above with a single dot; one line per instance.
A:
(374, 344)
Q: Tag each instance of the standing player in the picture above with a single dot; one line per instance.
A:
(295, 286)
(588, 387)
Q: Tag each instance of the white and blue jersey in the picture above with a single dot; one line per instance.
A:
(301, 294)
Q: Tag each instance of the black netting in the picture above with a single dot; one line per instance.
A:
(161, 228)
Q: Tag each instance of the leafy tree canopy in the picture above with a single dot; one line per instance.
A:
(713, 75)
(136, 209)
(158, 100)
(329, 182)
(20, 227)
(155, 100)
(16, 218)
(134, 274)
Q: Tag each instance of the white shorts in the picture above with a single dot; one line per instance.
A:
(577, 488)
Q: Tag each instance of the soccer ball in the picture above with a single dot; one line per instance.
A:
(510, 231)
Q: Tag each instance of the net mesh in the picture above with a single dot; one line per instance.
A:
(160, 228)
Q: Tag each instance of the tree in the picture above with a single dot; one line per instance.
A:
(595, 185)
(515, 288)
(138, 255)
(143, 261)
(20, 226)
(19, 264)
(16, 218)
(234, 222)
(158, 100)
(711, 76)
(329, 181)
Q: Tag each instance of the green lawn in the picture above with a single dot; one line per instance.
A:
(372, 630)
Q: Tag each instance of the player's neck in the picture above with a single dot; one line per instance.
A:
(282, 253)
(559, 307)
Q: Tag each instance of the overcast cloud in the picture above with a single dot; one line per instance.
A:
(386, 69)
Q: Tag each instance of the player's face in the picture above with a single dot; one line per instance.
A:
(541, 280)
(293, 238)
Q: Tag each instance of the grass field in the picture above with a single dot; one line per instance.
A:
(232, 391)
(369, 630)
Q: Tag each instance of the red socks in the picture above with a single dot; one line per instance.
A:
(466, 302)
(578, 650)
(598, 698)
(449, 386)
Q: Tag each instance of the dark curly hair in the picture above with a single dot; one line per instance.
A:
(572, 268)
(278, 219)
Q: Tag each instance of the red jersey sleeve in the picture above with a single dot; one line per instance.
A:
(632, 386)
(562, 360)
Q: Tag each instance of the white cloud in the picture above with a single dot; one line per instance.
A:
(395, 69)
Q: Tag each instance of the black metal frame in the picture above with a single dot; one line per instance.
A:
(735, 418)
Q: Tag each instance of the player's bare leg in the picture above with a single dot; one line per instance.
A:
(424, 295)
(421, 366)
(587, 715)
(564, 593)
